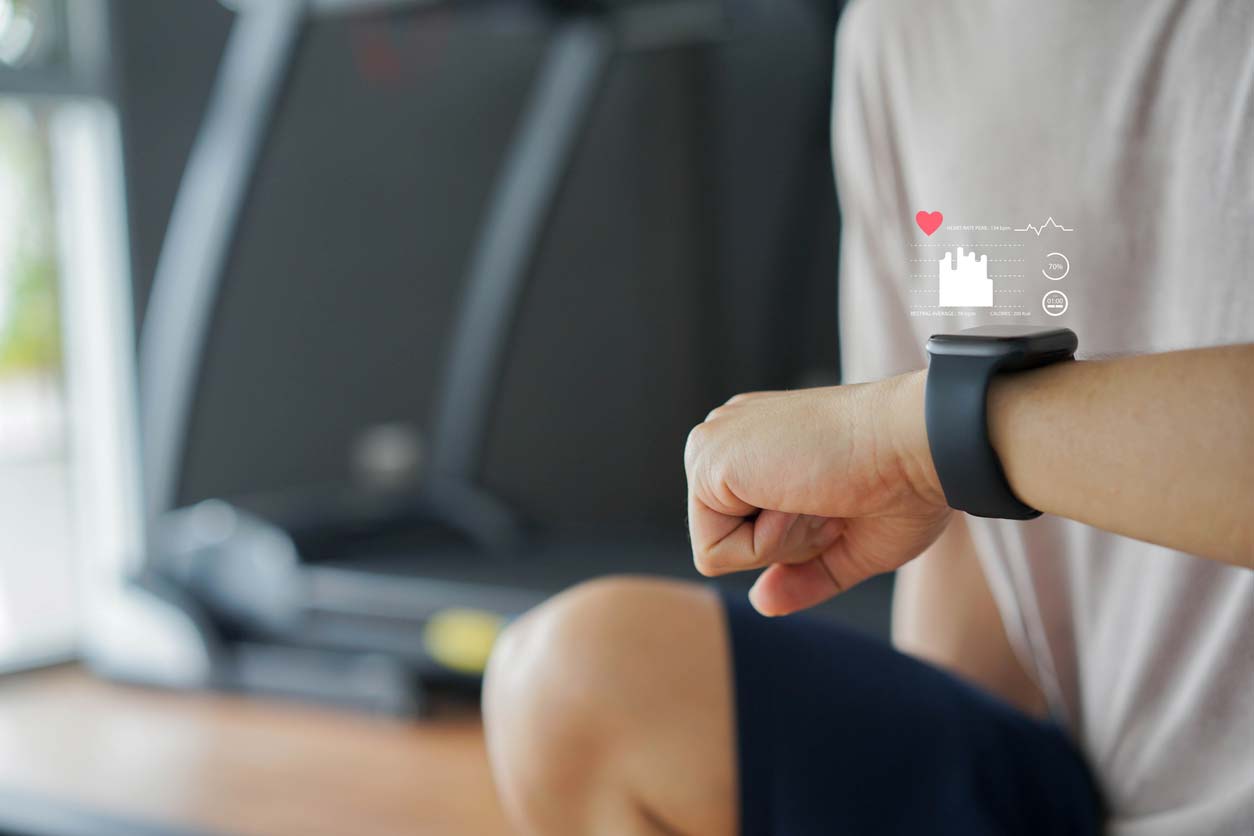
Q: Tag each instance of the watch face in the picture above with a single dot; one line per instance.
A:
(1000, 340)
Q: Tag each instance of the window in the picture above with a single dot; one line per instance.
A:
(36, 582)
(56, 128)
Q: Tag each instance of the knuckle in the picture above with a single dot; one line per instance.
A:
(727, 406)
(698, 440)
(704, 565)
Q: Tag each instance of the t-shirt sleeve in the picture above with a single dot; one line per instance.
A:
(877, 339)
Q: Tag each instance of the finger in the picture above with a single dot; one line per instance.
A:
(773, 532)
(784, 589)
(725, 528)
(776, 538)
(750, 545)
(807, 537)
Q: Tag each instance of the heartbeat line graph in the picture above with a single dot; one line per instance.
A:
(1048, 223)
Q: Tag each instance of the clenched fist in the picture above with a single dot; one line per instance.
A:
(822, 487)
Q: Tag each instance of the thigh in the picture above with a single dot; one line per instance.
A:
(676, 704)
(839, 733)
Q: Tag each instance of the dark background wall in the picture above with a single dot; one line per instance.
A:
(692, 254)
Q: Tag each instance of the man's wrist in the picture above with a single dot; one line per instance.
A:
(910, 444)
(1016, 399)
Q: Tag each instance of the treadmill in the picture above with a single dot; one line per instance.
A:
(332, 594)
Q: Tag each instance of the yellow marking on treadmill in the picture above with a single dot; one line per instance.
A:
(461, 639)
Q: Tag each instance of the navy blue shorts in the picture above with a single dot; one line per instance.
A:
(839, 733)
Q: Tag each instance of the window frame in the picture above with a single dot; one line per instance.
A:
(78, 83)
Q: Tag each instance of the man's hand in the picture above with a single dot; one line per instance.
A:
(824, 487)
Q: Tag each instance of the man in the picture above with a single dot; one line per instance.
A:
(1100, 659)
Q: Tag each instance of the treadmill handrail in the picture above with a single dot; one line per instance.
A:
(200, 234)
(522, 201)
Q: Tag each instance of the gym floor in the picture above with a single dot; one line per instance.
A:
(79, 755)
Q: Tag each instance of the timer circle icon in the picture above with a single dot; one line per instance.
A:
(1055, 303)
(1056, 268)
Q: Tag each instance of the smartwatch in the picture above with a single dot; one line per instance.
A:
(960, 369)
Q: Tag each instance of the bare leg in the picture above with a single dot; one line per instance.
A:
(608, 710)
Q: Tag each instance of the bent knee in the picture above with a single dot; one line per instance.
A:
(579, 674)
(557, 661)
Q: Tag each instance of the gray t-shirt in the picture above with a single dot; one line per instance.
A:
(1131, 125)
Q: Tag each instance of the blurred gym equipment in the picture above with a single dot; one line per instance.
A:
(386, 587)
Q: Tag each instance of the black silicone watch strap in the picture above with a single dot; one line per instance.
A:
(956, 408)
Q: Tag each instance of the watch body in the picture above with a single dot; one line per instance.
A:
(961, 368)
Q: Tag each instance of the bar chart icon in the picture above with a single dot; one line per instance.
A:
(964, 281)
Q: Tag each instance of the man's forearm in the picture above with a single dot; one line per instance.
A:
(826, 487)
(1157, 447)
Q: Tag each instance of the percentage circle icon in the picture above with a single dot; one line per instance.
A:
(1057, 266)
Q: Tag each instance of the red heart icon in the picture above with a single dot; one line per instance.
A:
(929, 222)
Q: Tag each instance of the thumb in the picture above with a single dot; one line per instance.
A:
(868, 547)
(786, 588)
